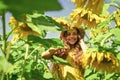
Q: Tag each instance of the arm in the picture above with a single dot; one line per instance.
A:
(48, 54)
(83, 45)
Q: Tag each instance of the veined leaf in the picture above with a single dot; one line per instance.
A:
(39, 22)
(18, 7)
(60, 60)
(47, 43)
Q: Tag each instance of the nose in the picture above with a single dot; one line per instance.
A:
(71, 35)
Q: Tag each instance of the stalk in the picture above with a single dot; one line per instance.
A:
(4, 39)
(4, 33)
(25, 58)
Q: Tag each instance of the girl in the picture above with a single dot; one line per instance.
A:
(74, 48)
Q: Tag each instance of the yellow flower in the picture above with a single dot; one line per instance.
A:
(21, 29)
(95, 6)
(105, 62)
(81, 16)
(64, 22)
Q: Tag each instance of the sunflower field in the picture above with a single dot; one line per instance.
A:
(21, 47)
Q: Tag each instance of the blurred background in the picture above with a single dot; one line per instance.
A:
(67, 5)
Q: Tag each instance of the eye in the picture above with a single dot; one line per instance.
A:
(68, 34)
(74, 33)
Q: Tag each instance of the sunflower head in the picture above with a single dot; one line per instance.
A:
(21, 29)
(103, 61)
(81, 16)
(95, 6)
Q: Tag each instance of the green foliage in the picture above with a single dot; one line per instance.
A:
(18, 8)
(60, 60)
(22, 59)
(116, 32)
(4, 64)
(41, 23)
(46, 43)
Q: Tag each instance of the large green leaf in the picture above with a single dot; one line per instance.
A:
(5, 66)
(47, 43)
(18, 7)
(2, 5)
(39, 23)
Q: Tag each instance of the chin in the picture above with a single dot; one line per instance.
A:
(72, 43)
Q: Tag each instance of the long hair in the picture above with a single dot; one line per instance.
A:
(80, 34)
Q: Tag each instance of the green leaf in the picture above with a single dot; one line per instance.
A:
(108, 76)
(4, 64)
(88, 72)
(119, 0)
(92, 77)
(47, 43)
(19, 7)
(118, 56)
(60, 60)
(105, 9)
(105, 23)
(2, 5)
(47, 75)
(39, 22)
(116, 32)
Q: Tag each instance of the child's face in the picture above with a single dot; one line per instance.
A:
(72, 36)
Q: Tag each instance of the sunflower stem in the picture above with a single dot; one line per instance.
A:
(25, 58)
(4, 33)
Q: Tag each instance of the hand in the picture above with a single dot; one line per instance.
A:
(48, 54)
(83, 45)
(61, 52)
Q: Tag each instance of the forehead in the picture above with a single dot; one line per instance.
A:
(72, 30)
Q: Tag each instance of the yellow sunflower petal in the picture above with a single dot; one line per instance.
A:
(100, 57)
(89, 19)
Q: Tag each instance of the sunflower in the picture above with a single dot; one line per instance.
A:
(81, 16)
(103, 61)
(63, 21)
(95, 6)
(21, 29)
